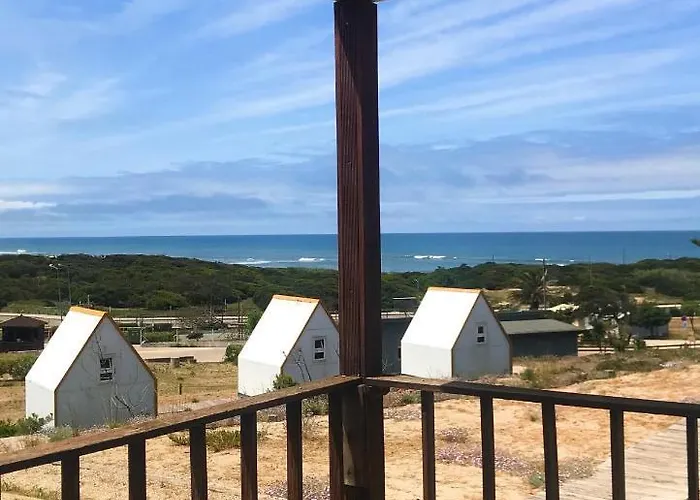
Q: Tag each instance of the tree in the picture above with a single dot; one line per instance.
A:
(252, 319)
(690, 310)
(601, 302)
(598, 332)
(649, 317)
(531, 290)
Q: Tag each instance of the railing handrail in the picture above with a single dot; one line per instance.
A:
(100, 441)
(510, 393)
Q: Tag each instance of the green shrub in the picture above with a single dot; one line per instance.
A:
(232, 352)
(223, 439)
(180, 438)
(282, 381)
(318, 405)
(22, 365)
(16, 365)
(23, 426)
(217, 440)
(159, 337)
(410, 398)
(61, 433)
(195, 335)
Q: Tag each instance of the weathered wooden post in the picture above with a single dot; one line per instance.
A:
(359, 247)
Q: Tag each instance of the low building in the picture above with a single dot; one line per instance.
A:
(393, 330)
(650, 332)
(295, 336)
(455, 334)
(88, 375)
(542, 337)
(22, 333)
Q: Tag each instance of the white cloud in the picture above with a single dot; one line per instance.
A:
(253, 15)
(7, 206)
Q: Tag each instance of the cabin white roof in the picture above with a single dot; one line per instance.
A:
(441, 317)
(279, 328)
(65, 346)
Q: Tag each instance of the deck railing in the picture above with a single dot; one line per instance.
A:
(68, 452)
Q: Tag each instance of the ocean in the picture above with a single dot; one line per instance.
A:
(400, 252)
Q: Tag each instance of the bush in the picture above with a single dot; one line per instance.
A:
(16, 365)
(410, 398)
(282, 381)
(195, 335)
(159, 337)
(61, 433)
(163, 300)
(318, 405)
(217, 440)
(23, 426)
(232, 352)
(252, 319)
(22, 365)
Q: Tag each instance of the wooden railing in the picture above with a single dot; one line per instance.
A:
(548, 400)
(134, 436)
(68, 452)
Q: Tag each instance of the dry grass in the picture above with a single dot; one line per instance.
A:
(200, 382)
(11, 400)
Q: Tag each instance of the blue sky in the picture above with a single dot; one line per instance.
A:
(216, 117)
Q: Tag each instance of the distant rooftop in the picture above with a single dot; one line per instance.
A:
(527, 326)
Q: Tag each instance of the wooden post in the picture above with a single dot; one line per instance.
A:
(359, 243)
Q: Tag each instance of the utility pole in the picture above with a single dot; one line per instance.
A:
(70, 297)
(544, 282)
(58, 286)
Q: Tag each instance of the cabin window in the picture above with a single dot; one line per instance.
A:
(106, 369)
(481, 334)
(320, 349)
(399, 353)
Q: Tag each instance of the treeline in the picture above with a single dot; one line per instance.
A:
(162, 283)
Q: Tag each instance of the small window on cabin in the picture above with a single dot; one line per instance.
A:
(106, 369)
(320, 349)
(481, 334)
(399, 353)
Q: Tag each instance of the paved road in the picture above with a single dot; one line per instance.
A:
(201, 354)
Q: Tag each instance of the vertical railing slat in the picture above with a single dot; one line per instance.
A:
(692, 456)
(70, 476)
(249, 456)
(198, 462)
(137, 469)
(427, 404)
(295, 474)
(488, 449)
(335, 445)
(551, 458)
(617, 453)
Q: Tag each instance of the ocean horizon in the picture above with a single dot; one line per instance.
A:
(401, 252)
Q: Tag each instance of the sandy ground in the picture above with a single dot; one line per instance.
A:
(583, 436)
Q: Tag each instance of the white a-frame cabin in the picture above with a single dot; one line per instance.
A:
(295, 336)
(89, 375)
(455, 334)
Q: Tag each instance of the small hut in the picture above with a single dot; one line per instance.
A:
(89, 375)
(295, 336)
(22, 333)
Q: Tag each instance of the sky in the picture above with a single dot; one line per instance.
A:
(164, 117)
